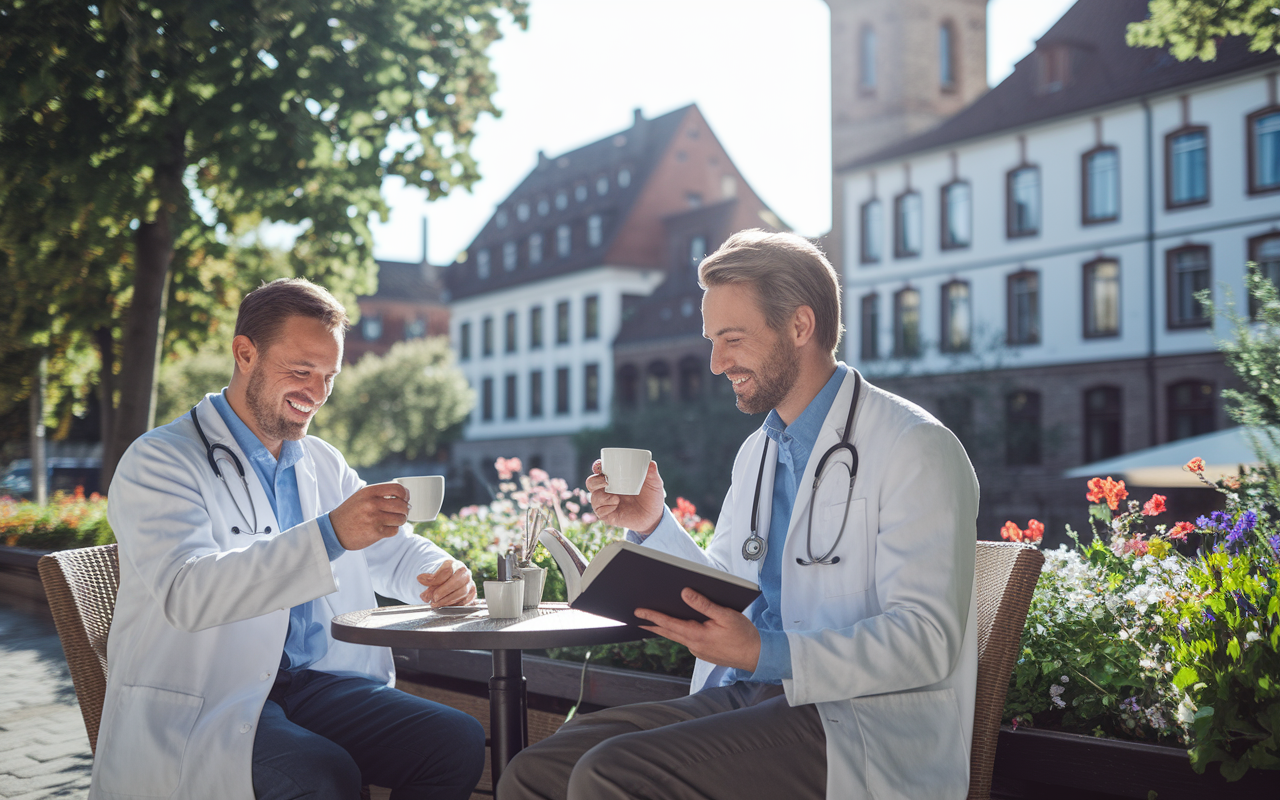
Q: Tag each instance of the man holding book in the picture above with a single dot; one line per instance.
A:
(853, 675)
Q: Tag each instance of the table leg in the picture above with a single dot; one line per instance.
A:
(508, 710)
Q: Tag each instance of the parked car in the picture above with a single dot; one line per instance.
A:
(64, 475)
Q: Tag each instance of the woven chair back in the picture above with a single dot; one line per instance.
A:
(1005, 574)
(81, 586)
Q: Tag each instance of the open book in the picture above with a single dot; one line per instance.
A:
(625, 576)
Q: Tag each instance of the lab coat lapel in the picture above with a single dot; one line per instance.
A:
(766, 497)
(830, 434)
(219, 433)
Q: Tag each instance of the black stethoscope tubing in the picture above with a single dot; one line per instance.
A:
(211, 453)
(755, 547)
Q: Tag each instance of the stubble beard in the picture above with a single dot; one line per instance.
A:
(271, 422)
(774, 381)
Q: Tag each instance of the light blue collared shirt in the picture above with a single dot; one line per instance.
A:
(794, 444)
(306, 642)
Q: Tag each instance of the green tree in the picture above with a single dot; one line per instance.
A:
(1192, 28)
(406, 403)
(140, 138)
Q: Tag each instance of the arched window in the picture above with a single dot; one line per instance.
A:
(691, 374)
(1191, 409)
(906, 324)
(867, 59)
(947, 56)
(1102, 416)
(628, 385)
(1022, 428)
(658, 382)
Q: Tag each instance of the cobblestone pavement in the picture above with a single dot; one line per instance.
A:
(44, 750)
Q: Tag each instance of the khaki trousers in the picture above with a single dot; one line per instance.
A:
(734, 742)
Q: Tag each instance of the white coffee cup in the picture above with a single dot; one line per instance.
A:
(504, 599)
(625, 468)
(426, 493)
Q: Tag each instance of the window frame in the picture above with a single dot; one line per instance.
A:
(1036, 445)
(1211, 407)
(1169, 204)
(564, 240)
(1035, 336)
(868, 70)
(464, 341)
(510, 333)
(899, 332)
(591, 317)
(1171, 320)
(564, 390)
(511, 396)
(535, 394)
(486, 337)
(863, 256)
(1009, 231)
(591, 387)
(1086, 305)
(869, 333)
(486, 399)
(1090, 418)
(944, 340)
(536, 327)
(948, 82)
(944, 217)
(1254, 245)
(1251, 148)
(898, 228)
(1085, 219)
(564, 332)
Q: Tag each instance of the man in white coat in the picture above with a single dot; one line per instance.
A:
(240, 538)
(853, 675)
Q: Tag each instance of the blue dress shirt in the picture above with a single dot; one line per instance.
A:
(306, 642)
(794, 445)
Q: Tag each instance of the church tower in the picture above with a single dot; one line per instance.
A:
(898, 67)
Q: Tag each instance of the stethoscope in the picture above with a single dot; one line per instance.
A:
(755, 547)
(211, 453)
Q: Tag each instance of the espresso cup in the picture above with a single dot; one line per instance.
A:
(504, 599)
(426, 493)
(625, 468)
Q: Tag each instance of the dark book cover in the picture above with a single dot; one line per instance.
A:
(634, 579)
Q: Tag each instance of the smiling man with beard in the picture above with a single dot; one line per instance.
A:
(853, 675)
(240, 538)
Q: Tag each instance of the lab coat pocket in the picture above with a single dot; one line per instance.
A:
(152, 726)
(915, 747)
(849, 575)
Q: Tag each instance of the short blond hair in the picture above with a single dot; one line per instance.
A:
(787, 271)
(264, 310)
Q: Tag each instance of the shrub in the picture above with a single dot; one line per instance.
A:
(67, 521)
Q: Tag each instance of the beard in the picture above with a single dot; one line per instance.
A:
(774, 381)
(271, 421)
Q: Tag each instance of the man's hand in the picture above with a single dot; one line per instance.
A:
(370, 515)
(728, 638)
(641, 512)
(449, 585)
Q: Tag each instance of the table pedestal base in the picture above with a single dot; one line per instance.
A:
(508, 710)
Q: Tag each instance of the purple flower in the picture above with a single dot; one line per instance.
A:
(1274, 541)
(1203, 523)
(1247, 520)
(1235, 540)
(1208, 616)
(1220, 520)
(1247, 608)
(1182, 629)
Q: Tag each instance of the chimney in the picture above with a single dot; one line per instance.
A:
(637, 118)
(428, 271)
(543, 161)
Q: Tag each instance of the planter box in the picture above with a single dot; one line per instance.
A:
(20, 585)
(1047, 765)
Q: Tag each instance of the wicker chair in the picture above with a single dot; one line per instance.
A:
(81, 586)
(1005, 575)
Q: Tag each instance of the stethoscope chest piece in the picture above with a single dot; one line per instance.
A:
(754, 548)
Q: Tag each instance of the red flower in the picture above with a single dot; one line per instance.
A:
(1154, 506)
(1035, 531)
(684, 508)
(1011, 532)
(1106, 489)
(1180, 531)
(1195, 465)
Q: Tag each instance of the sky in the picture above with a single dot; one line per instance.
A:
(758, 69)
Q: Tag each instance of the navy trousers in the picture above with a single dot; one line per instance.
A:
(322, 736)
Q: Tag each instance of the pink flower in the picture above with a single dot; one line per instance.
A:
(538, 475)
(1035, 531)
(1180, 531)
(1195, 465)
(506, 467)
(1011, 532)
(1154, 506)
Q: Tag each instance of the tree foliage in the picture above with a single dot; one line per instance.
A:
(406, 403)
(140, 140)
(1192, 28)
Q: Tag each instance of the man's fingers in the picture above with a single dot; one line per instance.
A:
(701, 604)
(597, 467)
(437, 578)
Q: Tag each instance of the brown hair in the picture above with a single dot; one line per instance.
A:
(787, 271)
(264, 310)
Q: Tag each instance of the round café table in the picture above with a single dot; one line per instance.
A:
(471, 628)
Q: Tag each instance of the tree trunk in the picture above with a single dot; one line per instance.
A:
(144, 322)
(39, 474)
(106, 399)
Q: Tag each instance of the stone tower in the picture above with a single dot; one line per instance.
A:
(898, 67)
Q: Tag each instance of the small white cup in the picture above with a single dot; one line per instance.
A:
(504, 599)
(625, 468)
(426, 493)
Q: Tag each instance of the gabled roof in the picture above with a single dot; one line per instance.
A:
(637, 149)
(1103, 70)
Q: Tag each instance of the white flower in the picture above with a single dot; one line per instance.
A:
(1124, 634)
(1065, 679)
(1057, 701)
(1252, 636)
(1187, 710)
(1056, 690)
(1159, 619)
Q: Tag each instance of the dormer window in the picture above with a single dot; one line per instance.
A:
(509, 256)
(624, 178)
(535, 249)
(1055, 67)
(602, 185)
(595, 230)
(562, 200)
(482, 264)
(501, 218)
(580, 193)
(544, 207)
(522, 212)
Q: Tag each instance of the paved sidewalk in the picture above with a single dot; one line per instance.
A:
(44, 750)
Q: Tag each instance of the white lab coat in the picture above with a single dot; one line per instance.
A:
(885, 641)
(202, 612)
